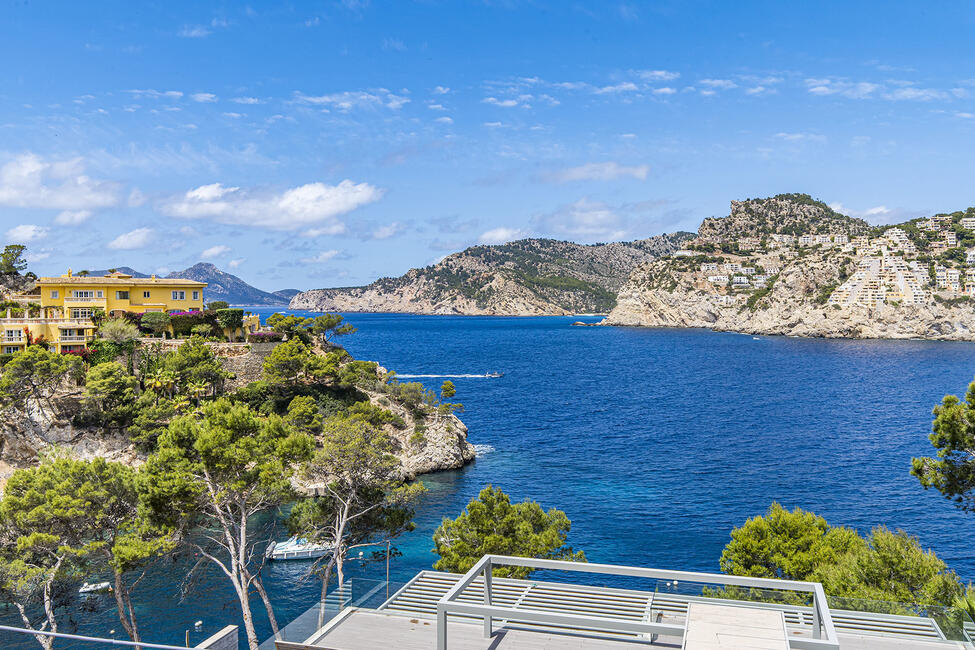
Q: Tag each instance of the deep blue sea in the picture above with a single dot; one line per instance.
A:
(654, 442)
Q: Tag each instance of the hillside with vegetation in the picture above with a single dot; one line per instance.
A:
(791, 265)
(525, 277)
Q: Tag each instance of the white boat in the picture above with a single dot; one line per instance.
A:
(296, 549)
(95, 587)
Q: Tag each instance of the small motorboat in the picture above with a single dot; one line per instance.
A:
(95, 587)
(296, 549)
(494, 375)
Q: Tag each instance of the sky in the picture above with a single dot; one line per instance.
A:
(319, 144)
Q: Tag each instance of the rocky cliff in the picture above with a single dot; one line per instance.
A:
(441, 443)
(523, 278)
(676, 292)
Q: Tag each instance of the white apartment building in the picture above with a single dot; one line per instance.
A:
(951, 238)
(806, 240)
(739, 281)
(826, 240)
(841, 239)
(718, 279)
(731, 267)
(748, 270)
(709, 267)
(968, 223)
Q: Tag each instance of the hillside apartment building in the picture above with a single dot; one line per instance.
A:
(67, 303)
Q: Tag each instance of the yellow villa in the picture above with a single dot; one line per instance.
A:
(68, 302)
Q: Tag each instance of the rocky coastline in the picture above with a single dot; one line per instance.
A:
(24, 440)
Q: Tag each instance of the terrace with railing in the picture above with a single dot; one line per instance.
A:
(667, 609)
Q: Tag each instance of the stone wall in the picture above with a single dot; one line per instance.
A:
(246, 366)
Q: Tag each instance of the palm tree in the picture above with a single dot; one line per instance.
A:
(156, 383)
(196, 390)
(169, 382)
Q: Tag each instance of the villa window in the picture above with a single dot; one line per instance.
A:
(121, 295)
(99, 294)
(81, 312)
(13, 335)
(196, 295)
(179, 295)
(54, 294)
(83, 294)
(10, 349)
(145, 294)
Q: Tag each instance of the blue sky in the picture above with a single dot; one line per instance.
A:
(326, 144)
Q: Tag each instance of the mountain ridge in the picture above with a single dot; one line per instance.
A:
(524, 277)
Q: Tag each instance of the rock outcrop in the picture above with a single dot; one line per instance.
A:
(530, 277)
(676, 292)
(424, 444)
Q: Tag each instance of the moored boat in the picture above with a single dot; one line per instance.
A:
(296, 549)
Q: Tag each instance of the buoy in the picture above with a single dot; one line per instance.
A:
(198, 626)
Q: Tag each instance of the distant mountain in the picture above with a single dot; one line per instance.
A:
(225, 286)
(523, 278)
(287, 294)
(128, 270)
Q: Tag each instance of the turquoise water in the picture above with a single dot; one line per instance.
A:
(655, 443)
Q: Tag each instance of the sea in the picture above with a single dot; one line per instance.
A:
(655, 443)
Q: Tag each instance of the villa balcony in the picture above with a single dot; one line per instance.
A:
(84, 302)
(668, 609)
(72, 339)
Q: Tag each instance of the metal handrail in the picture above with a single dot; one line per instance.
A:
(93, 639)
(822, 621)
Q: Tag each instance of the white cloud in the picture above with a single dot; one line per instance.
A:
(593, 221)
(800, 136)
(915, 94)
(156, 94)
(605, 171)
(136, 198)
(492, 124)
(501, 236)
(246, 100)
(723, 84)
(445, 120)
(314, 205)
(138, 238)
(359, 99)
(25, 233)
(965, 116)
(436, 107)
(28, 181)
(658, 75)
(233, 115)
(626, 86)
(37, 256)
(204, 98)
(842, 87)
(584, 220)
(321, 258)
(389, 230)
(504, 103)
(195, 31)
(72, 217)
(235, 263)
(666, 90)
(441, 90)
(215, 251)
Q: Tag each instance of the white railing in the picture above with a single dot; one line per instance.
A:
(44, 321)
(78, 299)
(13, 339)
(72, 339)
(824, 633)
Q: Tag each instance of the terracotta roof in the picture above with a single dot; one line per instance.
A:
(131, 282)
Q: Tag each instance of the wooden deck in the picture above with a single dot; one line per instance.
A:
(367, 630)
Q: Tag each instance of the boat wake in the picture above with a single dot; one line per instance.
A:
(484, 376)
